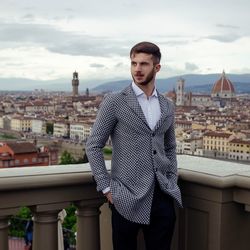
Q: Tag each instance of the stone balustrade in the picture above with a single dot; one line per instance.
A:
(216, 196)
(46, 191)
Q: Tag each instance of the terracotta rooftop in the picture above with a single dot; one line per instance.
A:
(217, 134)
(239, 141)
(22, 147)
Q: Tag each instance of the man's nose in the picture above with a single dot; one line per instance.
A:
(138, 67)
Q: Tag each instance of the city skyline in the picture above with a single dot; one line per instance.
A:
(50, 40)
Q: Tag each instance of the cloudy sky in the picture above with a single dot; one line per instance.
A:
(49, 39)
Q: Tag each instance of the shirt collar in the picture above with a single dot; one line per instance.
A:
(139, 92)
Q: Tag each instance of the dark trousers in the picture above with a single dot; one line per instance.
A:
(157, 235)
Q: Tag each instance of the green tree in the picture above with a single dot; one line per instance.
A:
(107, 151)
(84, 159)
(67, 158)
(18, 222)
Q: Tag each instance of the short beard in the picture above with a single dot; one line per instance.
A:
(149, 79)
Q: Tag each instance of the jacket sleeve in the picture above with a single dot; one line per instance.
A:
(170, 148)
(102, 129)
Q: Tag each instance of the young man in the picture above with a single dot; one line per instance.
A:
(143, 180)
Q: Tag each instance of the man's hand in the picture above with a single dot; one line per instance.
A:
(109, 197)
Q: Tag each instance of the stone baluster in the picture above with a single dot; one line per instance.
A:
(5, 215)
(46, 226)
(4, 232)
(88, 226)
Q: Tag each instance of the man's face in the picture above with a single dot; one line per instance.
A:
(143, 69)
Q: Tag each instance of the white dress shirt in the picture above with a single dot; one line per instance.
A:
(150, 105)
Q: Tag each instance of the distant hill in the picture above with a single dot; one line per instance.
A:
(193, 82)
(24, 84)
(240, 87)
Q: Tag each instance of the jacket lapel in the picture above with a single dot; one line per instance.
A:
(164, 110)
(134, 104)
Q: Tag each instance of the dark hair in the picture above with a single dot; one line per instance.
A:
(147, 48)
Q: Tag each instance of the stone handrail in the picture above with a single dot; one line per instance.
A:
(46, 191)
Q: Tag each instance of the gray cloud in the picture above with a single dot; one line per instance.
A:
(96, 65)
(227, 26)
(58, 41)
(28, 17)
(175, 42)
(191, 66)
(118, 65)
(228, 38)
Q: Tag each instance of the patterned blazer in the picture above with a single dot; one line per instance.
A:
(139, 157)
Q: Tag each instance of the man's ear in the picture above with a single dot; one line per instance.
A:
(157, 67)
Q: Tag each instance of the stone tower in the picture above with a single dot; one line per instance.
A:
(180, 95)
(75, 84)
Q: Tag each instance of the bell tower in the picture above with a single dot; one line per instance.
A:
(180, 92)
(75, 84)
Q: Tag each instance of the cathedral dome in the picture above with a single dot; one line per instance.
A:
(223, 88)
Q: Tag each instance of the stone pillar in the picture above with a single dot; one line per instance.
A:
(88, 226)
(4, 232)
(5, 215)
(46, 226)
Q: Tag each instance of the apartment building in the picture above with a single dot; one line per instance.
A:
(61, 129)
(39, 106)
(239, 150)
(192, 146)
(38, 126)
(21, 154)
(215, 144)
(76, 131)
(80, 130)
(21, 123)
(5, 122)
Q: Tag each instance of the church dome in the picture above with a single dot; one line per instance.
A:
(223, 88)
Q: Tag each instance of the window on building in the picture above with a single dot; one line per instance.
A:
(17, 162)
(26, 161)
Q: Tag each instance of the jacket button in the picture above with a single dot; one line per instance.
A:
(153, 134)
(154, 152)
